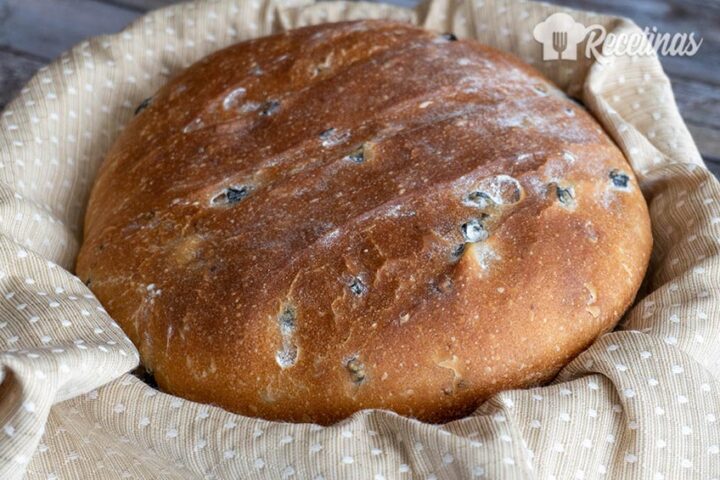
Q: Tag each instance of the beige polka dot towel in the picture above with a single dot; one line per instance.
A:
(643, 402)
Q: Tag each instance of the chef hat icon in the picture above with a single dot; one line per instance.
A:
(559, 35)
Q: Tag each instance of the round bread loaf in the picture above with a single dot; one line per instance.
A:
(362, 215)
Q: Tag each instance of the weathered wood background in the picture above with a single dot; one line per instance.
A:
(33, 32)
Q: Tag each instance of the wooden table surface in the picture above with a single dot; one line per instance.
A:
(33, 32)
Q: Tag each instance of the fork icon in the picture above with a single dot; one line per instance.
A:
(559, 43)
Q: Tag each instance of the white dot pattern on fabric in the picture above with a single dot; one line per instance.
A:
(641, 402)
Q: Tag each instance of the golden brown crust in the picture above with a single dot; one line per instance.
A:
(362, 215)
